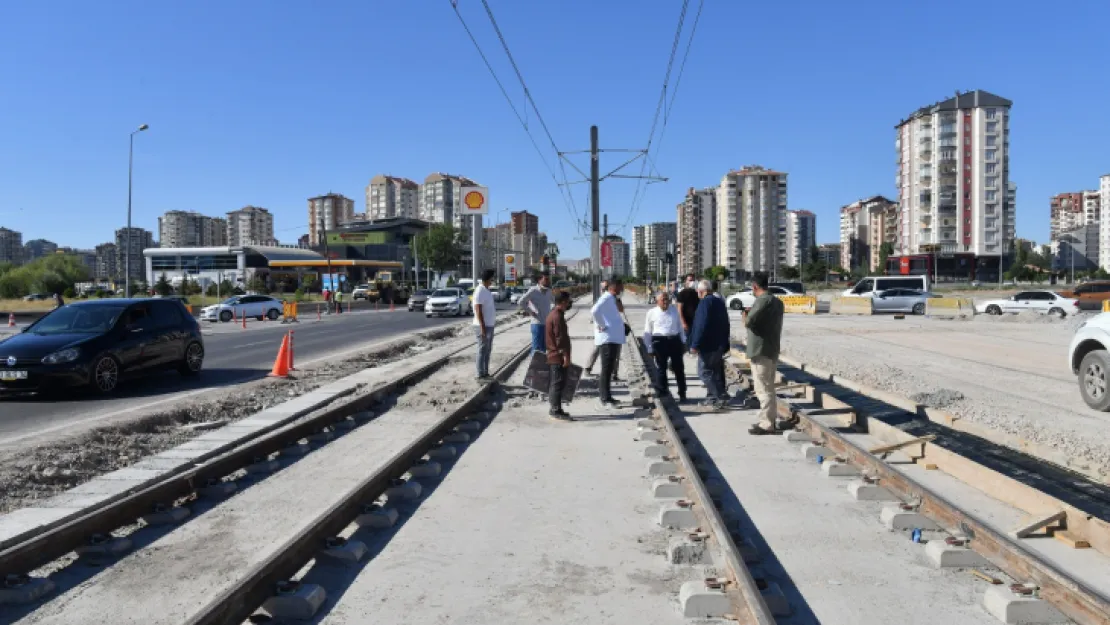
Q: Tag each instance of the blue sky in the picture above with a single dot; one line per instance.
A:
(269, 102)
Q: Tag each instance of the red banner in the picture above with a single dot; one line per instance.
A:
(606, 254)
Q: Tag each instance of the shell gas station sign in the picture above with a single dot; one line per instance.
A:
(474, 200)
(510, 267)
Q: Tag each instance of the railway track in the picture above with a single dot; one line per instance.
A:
(401, 443)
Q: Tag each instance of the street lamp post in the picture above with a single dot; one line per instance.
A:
(499, 262)
(127, 239)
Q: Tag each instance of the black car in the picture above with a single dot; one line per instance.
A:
(94, 344)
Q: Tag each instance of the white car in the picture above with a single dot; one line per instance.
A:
(516, 295)
(257, 306)
(451, 301)
(744, 299)
(361, 291)
(1089, 360)
(1044, 302)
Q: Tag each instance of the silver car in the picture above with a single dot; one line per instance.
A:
(901, 301)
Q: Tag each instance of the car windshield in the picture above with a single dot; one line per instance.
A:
(231, 301)
(423, 292)
(78, 319)
(445, 293)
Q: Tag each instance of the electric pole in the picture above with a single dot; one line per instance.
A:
(595, 201)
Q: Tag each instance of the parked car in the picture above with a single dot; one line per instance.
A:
(418, 299)
(450, 301)
(867, 287)
(1091, 294)
(514, 297)
(794, 287)
(361, 291)
(1045, 302)
(257, 306)
(1089, 360)
(35, 297)
(901, 301)
(94, 344)
(745, 298)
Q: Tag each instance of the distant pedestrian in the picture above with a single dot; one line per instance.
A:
(326, 294)
(709, 341)
(485, 319)
(537, 303)
(557, 341)
(338, 301)
(609, 339)
(664, 339)
(58, 301)
(688, 301)
(764, 323)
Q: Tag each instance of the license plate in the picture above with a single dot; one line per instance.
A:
(13, 375)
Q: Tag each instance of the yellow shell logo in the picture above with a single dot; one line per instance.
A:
(510, 259)
(474, 200)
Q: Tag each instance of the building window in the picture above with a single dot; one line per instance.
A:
(992, 126)
(992, 181)
(992, 113)
(991, 154)
(992, 141)
(991, 167)
(991, 196)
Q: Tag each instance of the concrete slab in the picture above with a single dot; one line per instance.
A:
(132, 474)
(27, 519)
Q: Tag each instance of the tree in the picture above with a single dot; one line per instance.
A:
(716, 272)
(790, 273)
(885, 250)
(813, 272)
(814, 253)
(438, 248)
(641, 264)
(257, 285)
(162, 286)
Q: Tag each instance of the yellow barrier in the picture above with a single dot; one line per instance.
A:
(289, 312)
(1106, 305)
(802, 304)
(851, 306)
(950, 307)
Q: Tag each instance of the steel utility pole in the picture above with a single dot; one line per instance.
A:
(127, 239)
(595, 205)
(327, 256)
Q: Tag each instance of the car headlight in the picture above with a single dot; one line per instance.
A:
(59, 357)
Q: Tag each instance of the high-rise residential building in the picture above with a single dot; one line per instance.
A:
(1066, 211)
(107, 262)
(829, 253)
(696, 231)
(1077, 249)
(801, 237)
(130, 242)
(655, 240)
(440, 202)
(864, 226)
(1092, 207)
(1104, 222)
(621, 257)
(87, 258)
(37, 248)
(191, 229)
(328, 212)
(953, 175)
(390, 196)
(751, 203)
(11, 246)
(250, 225)
(523, 222)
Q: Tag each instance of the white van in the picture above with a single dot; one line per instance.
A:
(867, 287)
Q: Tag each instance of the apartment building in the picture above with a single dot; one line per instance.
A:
(107, 262)
(37, 248)
(800, 237)
(953, 175)
(751, 206)
(191, 229)
(621, 257)
(655, 240)
(864, 226)
(696, 231)
(1104, 222)
(882, 228)
(130, 243)
(11, 246)
(390, 196)
(440, 202)
(1077, 249)
(523, 222)
(250, 225)
(1066, 210)
(327, 212)
(829, 253)
(1092, 207)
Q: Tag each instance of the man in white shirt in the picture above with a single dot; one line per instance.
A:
(485, 318)
(609, 338)
(664, 338)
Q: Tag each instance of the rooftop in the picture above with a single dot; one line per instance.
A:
(960, 101)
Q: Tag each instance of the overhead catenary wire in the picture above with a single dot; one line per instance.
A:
(564, 192)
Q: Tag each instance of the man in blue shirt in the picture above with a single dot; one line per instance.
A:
(710, 340)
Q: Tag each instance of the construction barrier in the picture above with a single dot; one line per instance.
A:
(289, 312)
(801, 304)
(1106, 305)
(950, 307)
(851, 306)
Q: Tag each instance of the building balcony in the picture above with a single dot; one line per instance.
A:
(925, 155)
(925, 180)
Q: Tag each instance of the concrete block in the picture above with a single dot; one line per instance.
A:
(166, 516)
(656, 450)
(299, 604)
(660, 468)
(263, 467)
(687, 549)
(345, 424)
(796, 436)
(1017, 609)
(442, 452)
(942, 555)
(403, 489)
(646, 423)
(342, 551)
(457, 437)
(321, 437)
(294, 450)
(21, 589)
(833, 468)
(677, 517)
(217, 489)
(864, 491)
(425, 468)
(375, 516)
(648, 434)
(470, 426)
(812, 450)
(896, 518)
(667, 489)
(775, 599)
(104, 545)
(698, 600)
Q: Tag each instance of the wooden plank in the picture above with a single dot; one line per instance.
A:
(1071, 540)
(1039, 523)
(885, 449)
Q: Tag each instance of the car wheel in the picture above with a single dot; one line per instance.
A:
(1059, 312)
(919, 309)
(226, 316)
(994, 310)
(428, 315)
(194, 360)
(105, 375)
(735, 305)
(273, 314)
(1093, 373)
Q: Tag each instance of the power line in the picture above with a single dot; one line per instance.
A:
(563, 194)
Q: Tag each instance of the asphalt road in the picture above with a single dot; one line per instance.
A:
(233, 356)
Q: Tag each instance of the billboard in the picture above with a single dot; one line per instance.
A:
(607, 254)
(475, 200)
(510, 267)
(356, 238)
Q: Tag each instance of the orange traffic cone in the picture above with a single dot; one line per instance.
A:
(281, 363)
(391, 305)
(244, 320)
(11, 320)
